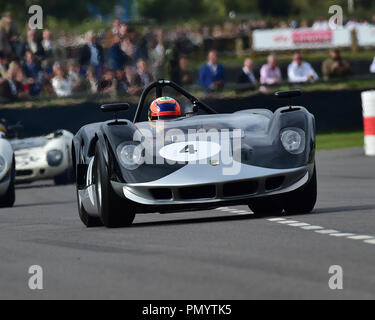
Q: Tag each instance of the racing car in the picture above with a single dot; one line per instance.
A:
(199, 160)
(7, 171)
(44, 157)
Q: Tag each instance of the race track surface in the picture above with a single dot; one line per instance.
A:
(218, 254)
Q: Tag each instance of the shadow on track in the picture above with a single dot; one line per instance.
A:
(343, 209)
(37, 186)
(42, 204)
(193, 220)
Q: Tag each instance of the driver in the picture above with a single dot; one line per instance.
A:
(164, 108)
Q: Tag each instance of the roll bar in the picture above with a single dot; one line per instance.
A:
(159, 85)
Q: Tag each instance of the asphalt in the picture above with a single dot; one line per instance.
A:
(216, 254)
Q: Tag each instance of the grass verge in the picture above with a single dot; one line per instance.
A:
(340, 140)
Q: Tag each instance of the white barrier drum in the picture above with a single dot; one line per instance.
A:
(368, 108)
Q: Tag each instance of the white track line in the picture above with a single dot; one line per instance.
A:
(318, 229)
(341, 234)
(298, 224)
(361, 237)
(312, 228)
(306, 226)
(326, 231)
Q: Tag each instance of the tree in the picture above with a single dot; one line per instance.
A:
(74, 11)
(275, 7)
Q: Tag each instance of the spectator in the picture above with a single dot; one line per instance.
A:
(144, 73)
(130, 50)
(335, 66)
(92, 53)
(157, 55)
(212, 74)
(184, 76)
(133, 81)
(3, 65)
(246, 75)
(270, 73)
(47, 43)
(108, 84)
(117, 57)
(33, 45)
(8, 35)
(33, 72)
(92, 80)
(75, 77)
(61, 84)
(301, 71)
(121, 82)
(116, 26)
(123, 31)
(11, 88)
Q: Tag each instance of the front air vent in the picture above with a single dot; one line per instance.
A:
(241, 188)
(23, 173)
(201, 192)
(274, 183)
(161, 193)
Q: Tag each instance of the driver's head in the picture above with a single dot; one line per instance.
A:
(164, 108)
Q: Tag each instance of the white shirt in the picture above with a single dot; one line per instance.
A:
(94, 59)
(62, 87)
(250, 74)
(300, 73)
(212, 67)
(372, 67)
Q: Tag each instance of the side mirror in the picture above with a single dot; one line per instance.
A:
(288, 94)
(115, 107)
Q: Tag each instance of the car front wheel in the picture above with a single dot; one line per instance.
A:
(114, 211)
(303, 199)
(8, 199)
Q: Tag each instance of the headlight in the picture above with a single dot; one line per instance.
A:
(54, 158)
(3, 164)
(130, 155)
(293, 140)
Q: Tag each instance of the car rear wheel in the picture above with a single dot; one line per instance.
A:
(266, 206)
(8, 199)
(303, 199)
(114, 211)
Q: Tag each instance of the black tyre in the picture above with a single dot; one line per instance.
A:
(8, 199)
(88, 221)
(303, 199)
(266, 206)
(114, 211)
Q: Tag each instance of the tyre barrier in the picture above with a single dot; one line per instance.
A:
(368, 110)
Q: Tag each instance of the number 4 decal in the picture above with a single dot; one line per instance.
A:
(189, 148)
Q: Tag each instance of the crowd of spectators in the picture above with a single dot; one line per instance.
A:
(39, 64)
(212, 74)
(122, 61)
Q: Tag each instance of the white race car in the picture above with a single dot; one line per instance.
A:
(7, 173)
(44, 157)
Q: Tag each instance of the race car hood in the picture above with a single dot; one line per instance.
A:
(260, 143)
(28, 143)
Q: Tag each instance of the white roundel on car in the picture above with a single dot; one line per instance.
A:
(190, 151)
